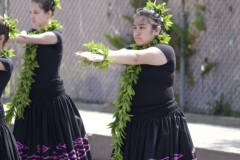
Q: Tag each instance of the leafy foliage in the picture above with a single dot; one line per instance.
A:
(220, 106)
(7, 53)
(198, 23)
(13, 31)
(208, 67)
(57, 4)
(98, 48)
(138, 3)
(186, 39)
(116, 41)
(122, 108)
(167, 23)
(20, 99)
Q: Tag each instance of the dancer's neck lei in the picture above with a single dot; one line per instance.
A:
(12, 34)
(7, 53)
(20, 99)
(129, 79)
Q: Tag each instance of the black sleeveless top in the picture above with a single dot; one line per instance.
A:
(47, 80)
(5, 75)
(154, 85)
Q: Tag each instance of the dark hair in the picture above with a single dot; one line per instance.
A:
(46, 5)
(153, 17)
(4, 30)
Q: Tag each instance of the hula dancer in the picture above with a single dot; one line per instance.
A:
(48, 124)
(8, 149)
(148, 123)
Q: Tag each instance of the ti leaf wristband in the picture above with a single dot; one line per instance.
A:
(98, 48)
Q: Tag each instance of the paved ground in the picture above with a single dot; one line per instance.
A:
(213, 140)
(213, 137)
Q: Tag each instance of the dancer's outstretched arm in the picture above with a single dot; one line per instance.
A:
(43, 38)
(151, 56)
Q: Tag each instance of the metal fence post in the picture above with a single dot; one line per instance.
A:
(182, 61)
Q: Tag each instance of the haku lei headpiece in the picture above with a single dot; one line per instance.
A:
(57, 4)
(165, 19)
(129, 79)
(161, 10)
(13, 31)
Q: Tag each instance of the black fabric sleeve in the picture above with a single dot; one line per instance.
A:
(7, 63)
(58, 33)
(167, 50)
(127, 47)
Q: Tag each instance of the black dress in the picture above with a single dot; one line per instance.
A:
(8, 149)
(158, 129)
(52, 127)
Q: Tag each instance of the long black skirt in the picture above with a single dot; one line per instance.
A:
(8, 149)
(158, 133)
(52, 128)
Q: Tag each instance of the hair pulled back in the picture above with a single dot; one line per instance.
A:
(46, 5)
(153, 17)
(4, 30)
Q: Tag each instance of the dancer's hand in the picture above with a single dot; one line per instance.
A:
(90, 56)
(20, 38)
(23, 32)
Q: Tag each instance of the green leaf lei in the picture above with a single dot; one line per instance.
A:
(129, 79)
(7, 53)
(13, 31)
(20, 99)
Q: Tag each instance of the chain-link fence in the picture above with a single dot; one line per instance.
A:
(88, 20)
